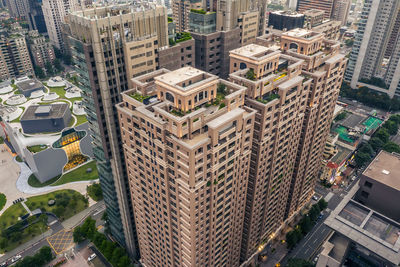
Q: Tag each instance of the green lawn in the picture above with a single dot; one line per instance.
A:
(79, 174)
(18, 158)
(36, 148)
(34, 182)
(58, 90)
(80, 119)
(24, 236)
(68, 203)
(3, 200)
(10, 215)
(71, 121)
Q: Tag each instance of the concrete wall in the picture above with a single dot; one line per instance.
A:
(46, 164)
(382, 198)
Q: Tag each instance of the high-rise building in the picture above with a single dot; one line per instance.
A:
(293, 85)
(324, 5)
(111, 45)
(54, 12)
(18, 8)
(187, 150)
(377, 37)
(285, 20)
(236, 23)
(291, 4)
(41, 49)
(14, 56)
(30, 11)
(181, 10)
(340, 11)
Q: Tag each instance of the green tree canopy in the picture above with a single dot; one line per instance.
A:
(376, 143)
(391, 147)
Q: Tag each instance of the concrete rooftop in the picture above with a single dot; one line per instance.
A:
(385, 169)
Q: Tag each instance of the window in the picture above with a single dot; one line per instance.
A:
(368, 184)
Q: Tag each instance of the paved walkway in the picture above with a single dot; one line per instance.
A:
(26, 207)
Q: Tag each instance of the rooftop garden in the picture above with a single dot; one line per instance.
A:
(268, 98)
(251, 75)
(198, 11)
(170, 20)
(183, 36)
(36, 148)
(139, 97)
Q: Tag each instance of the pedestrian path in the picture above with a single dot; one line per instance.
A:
(26, 207)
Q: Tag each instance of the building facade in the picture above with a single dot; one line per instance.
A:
(41, 49)
(181, 10)
(313, 18)
(54, 12)
(377, 27)
(123, 42)
(281, 20)
(14, 57)
(293, 86)
(187, 151)
(324, 5)
(340, 11)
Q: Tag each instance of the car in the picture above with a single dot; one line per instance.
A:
(320, 216)
(315, 197)
(91, 257)
(4, 264)
(315, 259)
(16, 258)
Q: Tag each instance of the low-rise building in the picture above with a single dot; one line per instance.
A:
(285, 20)
(380, 185)
(331, 29)
(27, 87)
(45, 118)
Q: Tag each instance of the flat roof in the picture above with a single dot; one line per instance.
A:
(252, 50)
(342, 154)
(303, 33)
(174, 78)
(385, 169)
(57, 111)
(352, 120)
(366, 227)
(287, 13)
(29, 85)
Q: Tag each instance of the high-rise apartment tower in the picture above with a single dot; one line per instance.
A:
(325, 5)
(374, 60)
(187, 140)
(293, 81)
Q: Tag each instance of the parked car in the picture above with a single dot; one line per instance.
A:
(320, 216)
(91, 257)
(4, 264)
(315, 197)
(16, 258)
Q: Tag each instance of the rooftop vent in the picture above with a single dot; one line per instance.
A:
(385, 172)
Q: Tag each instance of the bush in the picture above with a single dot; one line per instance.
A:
(41, 258)
(94, 191)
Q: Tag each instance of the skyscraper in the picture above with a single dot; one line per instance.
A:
(377, 37)
(14, 56)
(54, 12)
(110, 46)
(293, 85)
(187, 149)
(341, 10)
(325, 5)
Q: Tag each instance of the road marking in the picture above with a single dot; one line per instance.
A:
(328, 196)
(315, 240)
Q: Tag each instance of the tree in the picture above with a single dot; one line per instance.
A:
(341, 116)
(95, 192)
(124, 261)
(116, 255)
(88, 228)
(382, 134)
(39, 72)
(291, 239)
(362, 158)
(305, 224)
(376, 143)
(299, 263)
(349, 42)
(366, 148)
(78, 235)
(45, 254)
(57, 52)
(57, 65)
(250, 75)
(391, 127)
(314, 212)
(322, 204)
(391, 147)
(67, 59)
(49, 69)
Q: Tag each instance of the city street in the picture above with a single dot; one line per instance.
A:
(30, 248)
